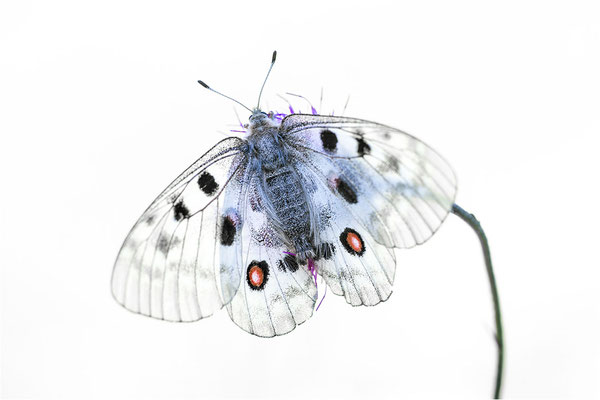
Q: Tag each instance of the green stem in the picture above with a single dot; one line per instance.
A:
(476, 226)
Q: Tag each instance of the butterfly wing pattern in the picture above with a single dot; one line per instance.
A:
(250, 224)
(183, 259)
(386, 184)
(406, 181)
(363, 271)
(169, 263)
(275, 294)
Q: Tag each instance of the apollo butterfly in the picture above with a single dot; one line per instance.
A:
(252, 222)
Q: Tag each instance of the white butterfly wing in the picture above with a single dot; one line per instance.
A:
(180, 260)
(353, 262)
(275, 293)
(407, 188)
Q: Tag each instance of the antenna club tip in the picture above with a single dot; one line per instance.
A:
(274, 56)
(203, 84)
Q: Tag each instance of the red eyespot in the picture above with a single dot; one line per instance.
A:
(352, 242)
(257, 275)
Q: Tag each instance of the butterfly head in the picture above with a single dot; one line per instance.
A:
(260, 120)
(258, 117)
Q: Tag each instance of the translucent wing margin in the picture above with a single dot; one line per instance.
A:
(169, 266)
(400, 189)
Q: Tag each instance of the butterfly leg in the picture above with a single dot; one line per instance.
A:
(313, 269)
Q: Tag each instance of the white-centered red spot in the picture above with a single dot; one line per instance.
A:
(354, 242)
(256, 275)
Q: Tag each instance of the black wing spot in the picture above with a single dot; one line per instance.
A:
(180, 211)
(288, 263)
(329, 140)
(164, 244)
(346, 191)
(352, 242)
(257, 275)
(363, 147)
(207, 184)
(227, 231)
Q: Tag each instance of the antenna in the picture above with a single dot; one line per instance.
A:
(267, 77)
(227, 97)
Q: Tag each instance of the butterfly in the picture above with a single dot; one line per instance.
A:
(252, 223)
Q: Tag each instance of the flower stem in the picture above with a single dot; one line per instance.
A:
(476, 226)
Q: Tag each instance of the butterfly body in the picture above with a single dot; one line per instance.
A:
(247, 225)
(287, 205)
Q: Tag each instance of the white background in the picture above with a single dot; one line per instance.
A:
(100, 109)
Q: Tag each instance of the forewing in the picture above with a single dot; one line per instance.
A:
(399, 188)
(173, 264)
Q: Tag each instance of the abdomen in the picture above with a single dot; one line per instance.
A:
(287, 197)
